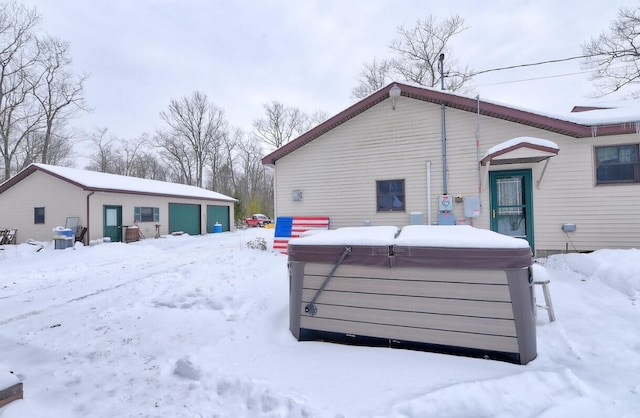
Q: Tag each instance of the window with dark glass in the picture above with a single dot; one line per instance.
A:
(617, 164)
(38, 215)
(146, 214)
(390, 195)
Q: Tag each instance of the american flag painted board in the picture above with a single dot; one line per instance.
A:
(288, 227)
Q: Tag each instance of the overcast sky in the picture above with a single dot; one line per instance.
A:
(140, 54)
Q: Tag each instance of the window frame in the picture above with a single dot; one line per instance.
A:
(616, 165)
(39, 217)
(138, 214)
(380, 194)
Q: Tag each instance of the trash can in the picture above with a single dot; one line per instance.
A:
(217, 227)
(62, 243)
(63, 238)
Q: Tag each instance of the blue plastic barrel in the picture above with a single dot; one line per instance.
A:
(217, 228)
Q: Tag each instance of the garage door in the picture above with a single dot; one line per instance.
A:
(185, 218)
(219, 214)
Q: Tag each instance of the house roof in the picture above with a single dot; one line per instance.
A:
(575, 125)
(94, 181)
(520, 150)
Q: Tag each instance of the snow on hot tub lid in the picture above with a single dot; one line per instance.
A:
(451, 236)
(362, 235)
(455, 236)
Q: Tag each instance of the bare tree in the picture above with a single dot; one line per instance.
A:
(416, 58)
(60, 151)
(614, 55)
(38, 92)
(18, 119)
(194, 127)
(59, 92)
(223, 164)
(312, 121)
(255, 181)
(280, 124)
(373, 77)
(148, 165)
(106, 157)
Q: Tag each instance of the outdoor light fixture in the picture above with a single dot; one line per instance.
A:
(394, 93)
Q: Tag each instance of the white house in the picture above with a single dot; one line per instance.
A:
(409, 154)
(42, 197)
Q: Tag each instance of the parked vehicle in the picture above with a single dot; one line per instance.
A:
(257, 219)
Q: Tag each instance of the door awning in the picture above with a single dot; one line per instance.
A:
(520, 150)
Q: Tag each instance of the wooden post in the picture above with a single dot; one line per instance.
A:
(10, 394)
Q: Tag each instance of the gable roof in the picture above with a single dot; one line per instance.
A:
(558, 124)
(95, 181)
(536, 150)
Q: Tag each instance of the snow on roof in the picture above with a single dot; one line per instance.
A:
(455, 236)
(96, 180)
(521, 140)
(609, 112)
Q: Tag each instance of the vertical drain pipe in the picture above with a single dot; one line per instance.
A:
(444, 129)
(88, 233)
(478, 148)
(428, 192)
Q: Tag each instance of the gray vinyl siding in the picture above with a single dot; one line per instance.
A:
(337, 174)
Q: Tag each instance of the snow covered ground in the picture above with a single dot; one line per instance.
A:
(198, 327)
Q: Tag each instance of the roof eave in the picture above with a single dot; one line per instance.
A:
(548, 123)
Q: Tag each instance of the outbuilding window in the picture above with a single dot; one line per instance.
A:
(390, 195)
(146, 214)
(38, 215)
(617, 164)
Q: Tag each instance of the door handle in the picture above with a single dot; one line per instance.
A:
(494, 213)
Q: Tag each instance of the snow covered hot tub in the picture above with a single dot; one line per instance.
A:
(452, 289)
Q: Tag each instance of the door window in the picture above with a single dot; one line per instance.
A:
(111, 217)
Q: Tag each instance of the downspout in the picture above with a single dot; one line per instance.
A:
(275, 193)
(478, 154)
(478, 148)
(444, 129)
(428, 192)
(88, 234)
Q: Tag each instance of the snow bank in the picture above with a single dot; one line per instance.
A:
(198, 327)
(618, 269)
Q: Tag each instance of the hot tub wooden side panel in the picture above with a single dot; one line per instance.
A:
(460, 308)
(411, 319)
(494, 293)
(408, 273)
(437, 306)
(445, 306)
(420, 335)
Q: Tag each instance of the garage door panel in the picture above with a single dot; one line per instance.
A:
(184, 217)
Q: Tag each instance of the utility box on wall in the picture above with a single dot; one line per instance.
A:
(415, 218)
(445, 203)
(446, 218)
(471, 207)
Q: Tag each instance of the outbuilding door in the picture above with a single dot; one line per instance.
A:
(217, 214)
(512, 204)
(184, 217)
(112, 222)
